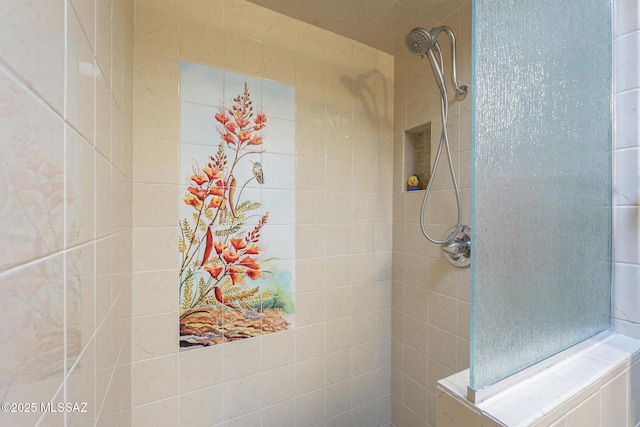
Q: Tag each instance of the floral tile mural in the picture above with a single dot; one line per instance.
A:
(237, 206)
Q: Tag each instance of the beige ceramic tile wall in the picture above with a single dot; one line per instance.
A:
(430, 316)
(66, 84)
(333, 369)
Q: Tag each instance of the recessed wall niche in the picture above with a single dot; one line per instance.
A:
(417, 154)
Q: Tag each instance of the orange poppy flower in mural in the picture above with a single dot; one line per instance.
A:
(255, 140)
(241, 121)
(244, 135)
(230, 257)
(238, 243)
(228, 137)
(252, 250)
(253, 274)
(198, 192)
(219, 247)
(216, 191)
(260, 121)
(198, 179)
(214, 271)
(222, 117)
(230, 126)
(216, 202)
(212, 173)
(193, 201)
(236, 274)
(249, 263)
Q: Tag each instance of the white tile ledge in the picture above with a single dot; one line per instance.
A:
(567, 383)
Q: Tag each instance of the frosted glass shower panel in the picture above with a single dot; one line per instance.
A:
(541, 184)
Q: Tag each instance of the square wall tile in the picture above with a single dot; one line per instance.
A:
(154, 379)
(157, 32)
(452, 413)
(156, 248)
(159, 413)
(278, 385)
(310, 408)
(34, 48)
(242, 358)
(282, 414)
(614, 401)
(586, 413)
(201, 406)
(242, 396)
(156, 118)
(154, 336)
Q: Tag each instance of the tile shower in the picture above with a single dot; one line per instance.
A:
(98, 104)
(334, 366)
(430, 326)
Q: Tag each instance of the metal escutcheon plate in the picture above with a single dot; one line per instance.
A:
(458, 250)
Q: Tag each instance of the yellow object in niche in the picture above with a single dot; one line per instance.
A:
(413, 183)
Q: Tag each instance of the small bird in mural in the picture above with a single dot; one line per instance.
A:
(257, 172)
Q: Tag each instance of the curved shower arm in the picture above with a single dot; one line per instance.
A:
(437, 66)
(461, 91)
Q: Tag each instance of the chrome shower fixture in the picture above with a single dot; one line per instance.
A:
(458, 249)
(421, 42)
(456, 243)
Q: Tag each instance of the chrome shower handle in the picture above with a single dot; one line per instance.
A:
(457, 250)
(457, 246)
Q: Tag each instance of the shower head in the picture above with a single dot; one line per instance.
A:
(419, 41)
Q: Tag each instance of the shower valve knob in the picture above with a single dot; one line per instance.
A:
(457, 250)
(457, 246)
